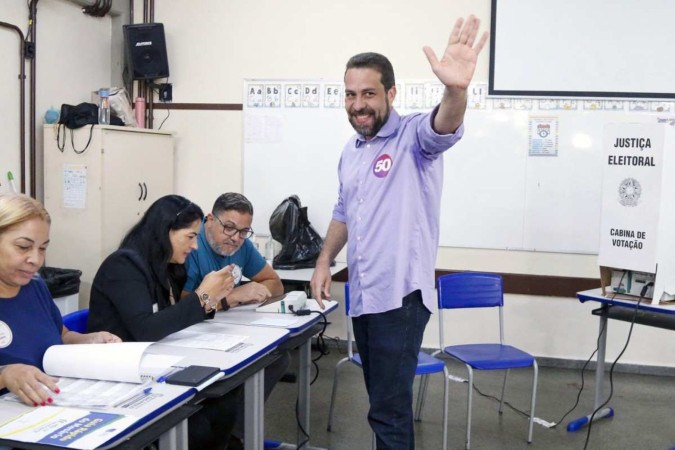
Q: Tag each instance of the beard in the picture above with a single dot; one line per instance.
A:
(368, 131)
(221, 249)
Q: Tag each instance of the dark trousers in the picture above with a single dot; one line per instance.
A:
(211, 426)
(388, 344)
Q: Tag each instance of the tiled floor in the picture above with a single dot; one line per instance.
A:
(644, 405)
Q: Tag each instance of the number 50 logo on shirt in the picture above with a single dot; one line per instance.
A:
(382, 166)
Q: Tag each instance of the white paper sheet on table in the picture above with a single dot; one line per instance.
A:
(101, 393)
(282, 322)
(211, 341)
(84, 393)
(314, 306)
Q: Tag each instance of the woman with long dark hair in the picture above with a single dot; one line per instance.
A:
(136, 291)
(136, 295)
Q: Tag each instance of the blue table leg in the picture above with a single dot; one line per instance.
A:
(581, 422)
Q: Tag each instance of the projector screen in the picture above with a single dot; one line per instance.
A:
(583, 48)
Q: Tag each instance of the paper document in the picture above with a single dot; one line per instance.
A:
(83, 393)
(211, 341)
(65, 427)
(312, 304)
(111, 362)
(282, 322)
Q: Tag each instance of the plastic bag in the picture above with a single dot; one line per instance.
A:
(61, 282)
(121, 105)
(300, 243)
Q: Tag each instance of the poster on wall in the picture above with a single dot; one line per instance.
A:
(543, 136)
(631, 196)
(74, 186)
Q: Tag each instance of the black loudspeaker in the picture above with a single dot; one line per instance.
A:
(146, 51)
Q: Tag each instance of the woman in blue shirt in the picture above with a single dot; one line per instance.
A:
(30, 322)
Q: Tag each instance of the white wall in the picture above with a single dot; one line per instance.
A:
(9, 87)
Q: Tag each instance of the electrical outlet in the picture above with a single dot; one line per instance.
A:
(165, 92)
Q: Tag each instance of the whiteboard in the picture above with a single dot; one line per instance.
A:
(297, 155)
(583, 48)
(495, 195)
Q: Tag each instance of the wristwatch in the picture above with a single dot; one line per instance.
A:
(204, 299)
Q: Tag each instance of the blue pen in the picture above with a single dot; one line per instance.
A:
(147, 390)
(162, 378)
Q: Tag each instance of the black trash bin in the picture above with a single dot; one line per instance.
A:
(61, 282)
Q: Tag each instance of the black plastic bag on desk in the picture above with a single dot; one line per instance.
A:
(300, 243)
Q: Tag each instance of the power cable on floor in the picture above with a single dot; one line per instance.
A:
(611, 370)
(581, 388)
(583, 368)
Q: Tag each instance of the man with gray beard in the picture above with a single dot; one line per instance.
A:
(223, 241)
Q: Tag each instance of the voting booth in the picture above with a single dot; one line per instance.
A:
(637, 246)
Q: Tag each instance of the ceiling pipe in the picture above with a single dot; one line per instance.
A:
(22, 103)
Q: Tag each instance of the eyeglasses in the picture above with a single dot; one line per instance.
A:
(230, 231)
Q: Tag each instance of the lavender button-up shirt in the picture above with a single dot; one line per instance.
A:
(390, 198)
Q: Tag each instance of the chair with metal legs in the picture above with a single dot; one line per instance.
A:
(482, 290)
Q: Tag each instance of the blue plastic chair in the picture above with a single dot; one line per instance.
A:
(482, 290)
(76, 320)
(426, 365)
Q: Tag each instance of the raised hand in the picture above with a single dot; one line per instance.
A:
(456, 67)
